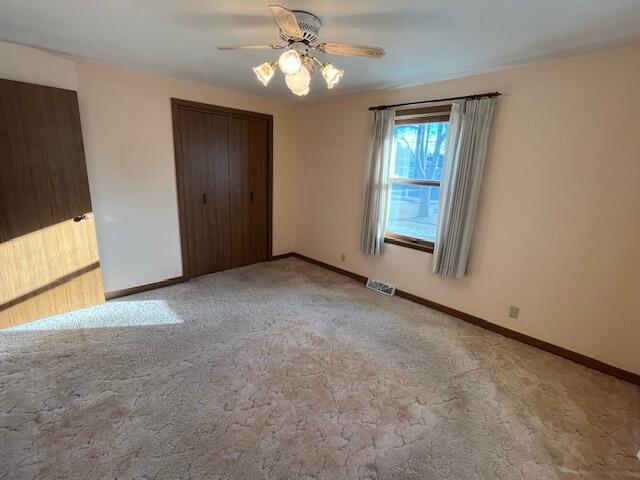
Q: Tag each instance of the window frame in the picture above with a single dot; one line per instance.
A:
(412, 116)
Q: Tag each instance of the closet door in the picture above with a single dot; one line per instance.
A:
(248, 190)
(205, 190)
(223, 168)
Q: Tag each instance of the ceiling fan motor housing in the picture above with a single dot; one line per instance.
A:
(309, 25)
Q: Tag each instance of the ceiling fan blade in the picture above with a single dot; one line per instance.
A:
(350, 50)
(287, 21)
(251, 47)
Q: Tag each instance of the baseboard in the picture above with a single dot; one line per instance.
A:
(507, 332)
(355, 276)
(143, 288)
(171, 281)
(280, 257)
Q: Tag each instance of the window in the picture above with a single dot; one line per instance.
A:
(420, 138)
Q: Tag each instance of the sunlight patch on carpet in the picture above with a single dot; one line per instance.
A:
(114, 314)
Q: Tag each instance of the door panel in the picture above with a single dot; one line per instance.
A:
(248, 190)
(49, 263)
(205, 190)
(240, 192)
(258, 168)
(217, 192)
(193, 143)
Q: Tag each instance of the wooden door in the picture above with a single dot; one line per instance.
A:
(205, 192)
(224, 154)
(248, 190)
(49, 260)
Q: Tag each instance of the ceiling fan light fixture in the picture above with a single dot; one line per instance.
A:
(265, 72)
(331, 74)
(299, 82)
(300, 30)
(290, 62)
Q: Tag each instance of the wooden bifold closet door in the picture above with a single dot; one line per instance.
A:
(223, 164)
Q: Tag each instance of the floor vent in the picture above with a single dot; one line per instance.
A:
(381, 287)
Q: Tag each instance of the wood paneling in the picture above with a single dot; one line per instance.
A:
(233, 170)
(48, 262)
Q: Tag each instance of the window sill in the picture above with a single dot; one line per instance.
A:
(421, 245)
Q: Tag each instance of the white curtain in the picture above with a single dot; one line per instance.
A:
(469, 127)
(381, 146)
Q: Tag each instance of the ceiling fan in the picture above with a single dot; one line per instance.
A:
(300, 30)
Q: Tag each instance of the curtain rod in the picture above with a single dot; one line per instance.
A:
(465, 97)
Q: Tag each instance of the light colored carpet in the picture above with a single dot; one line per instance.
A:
(286, 370)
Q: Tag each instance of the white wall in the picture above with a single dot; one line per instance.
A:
(559, 216)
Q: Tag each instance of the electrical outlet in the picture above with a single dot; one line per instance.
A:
(514, 312)
(343, 257)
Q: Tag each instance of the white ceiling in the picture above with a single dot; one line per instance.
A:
(425, 40)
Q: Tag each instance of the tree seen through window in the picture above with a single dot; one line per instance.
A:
(415, 179)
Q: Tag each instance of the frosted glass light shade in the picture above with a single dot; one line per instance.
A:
(332, 75)
(300, 93)
(299, 82)
(264, 73)
(290, 62)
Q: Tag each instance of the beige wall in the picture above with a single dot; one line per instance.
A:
(559, 217)
(128, 138)
(30, 65)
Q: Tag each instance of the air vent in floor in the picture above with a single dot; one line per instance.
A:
(381, 287)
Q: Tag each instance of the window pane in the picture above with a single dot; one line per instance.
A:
(413, 210)
(420, 150)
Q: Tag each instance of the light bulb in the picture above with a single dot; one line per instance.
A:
(299, 82)
(300, 93)
(290, 62)
(332, 75)
(264, 73)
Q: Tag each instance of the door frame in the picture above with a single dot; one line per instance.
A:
(178, 104)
